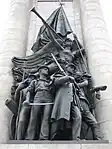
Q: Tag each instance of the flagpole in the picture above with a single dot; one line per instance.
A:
(60, 3)
(80, 51)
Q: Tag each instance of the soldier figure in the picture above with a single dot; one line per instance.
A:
(22, 85)
(66, 104)
(41, 110)
(87, 116)
(23, 117)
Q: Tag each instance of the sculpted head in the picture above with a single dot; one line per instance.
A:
(43, 70)
(71, 68)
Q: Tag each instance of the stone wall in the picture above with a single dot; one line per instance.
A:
(56, 146)
(99, 50)
(13, 44)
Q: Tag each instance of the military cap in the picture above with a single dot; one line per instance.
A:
(68, 53)
(78, 73)
(32, 75)
(71, 65)
(86, 75)
(43, 66)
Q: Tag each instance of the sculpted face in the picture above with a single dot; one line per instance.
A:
(31, 78)
(66, 56)
(70, 69)
(44, 71)
(78, 76)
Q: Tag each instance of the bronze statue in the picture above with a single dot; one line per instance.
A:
(49, 106)
(87, 116)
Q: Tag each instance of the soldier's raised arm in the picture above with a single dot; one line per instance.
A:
(21, 86)
(62, 80)
(31, 87)
(83, 84)
(29, 93)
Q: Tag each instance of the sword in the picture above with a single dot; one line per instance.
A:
(61, 69)
(74, 84)
(41, 104)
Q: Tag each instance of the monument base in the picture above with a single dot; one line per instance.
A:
(57, 142)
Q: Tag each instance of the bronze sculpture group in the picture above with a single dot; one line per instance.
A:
(52, 92)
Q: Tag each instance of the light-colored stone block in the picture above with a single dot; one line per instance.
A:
(99, 49)
(13, 44)
(54, 146)
(16, 146)
(96, 146)
(69, 146)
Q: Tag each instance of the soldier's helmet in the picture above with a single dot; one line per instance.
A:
(30, 75)
(70, 68)
(67, 52)
(71, 65)
(68, 42)
(42, 67)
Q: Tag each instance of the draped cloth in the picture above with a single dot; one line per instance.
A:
(44, 45)
(59, 22)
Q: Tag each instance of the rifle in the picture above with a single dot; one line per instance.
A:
(19, 107)
(98, 88)
(74, 84)
(61, 69)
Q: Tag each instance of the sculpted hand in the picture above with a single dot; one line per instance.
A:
(25, 103)
(74, 36)
(71, 79)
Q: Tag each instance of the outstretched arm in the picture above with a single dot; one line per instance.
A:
(83, 84)
(29, 93)
(62, 80)
(78, 52)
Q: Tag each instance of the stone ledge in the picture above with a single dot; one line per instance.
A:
(56, 146)
(57, 142)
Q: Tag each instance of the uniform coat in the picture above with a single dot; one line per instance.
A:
(63, 98)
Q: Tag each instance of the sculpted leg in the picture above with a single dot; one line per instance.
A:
(33, 127)
(91, 121)
(76, 122)
(23, 123)
(45, 126)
